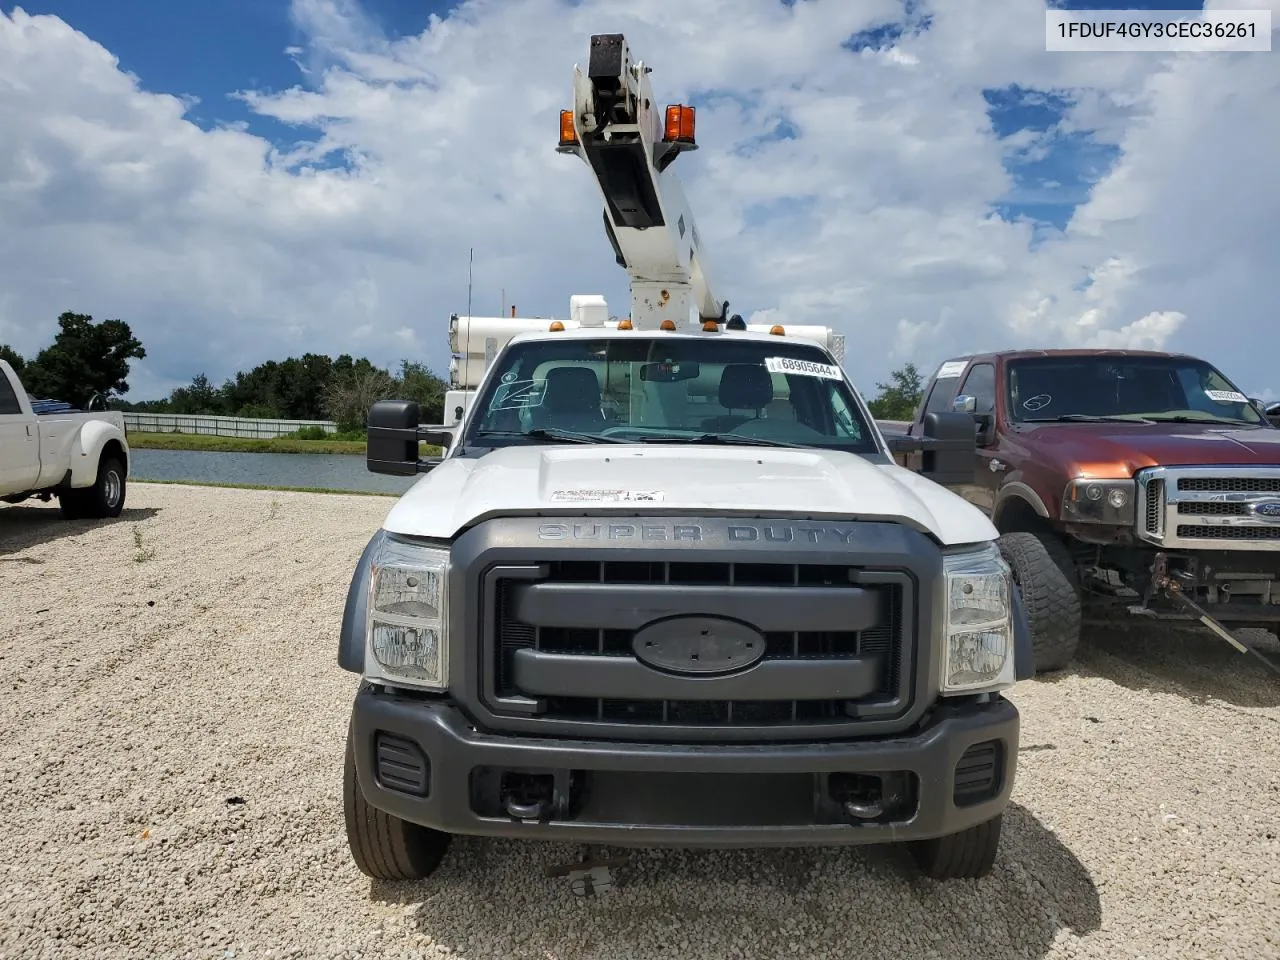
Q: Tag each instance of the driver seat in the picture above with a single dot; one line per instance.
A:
(571, 401)
(743, 386)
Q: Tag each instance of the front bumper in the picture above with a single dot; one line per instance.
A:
(688, 795)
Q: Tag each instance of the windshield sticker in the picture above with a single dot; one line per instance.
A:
(806, 368)
(1226, 396)
(519, 394)
(952, 368)
(607, 496)
(1038, 402)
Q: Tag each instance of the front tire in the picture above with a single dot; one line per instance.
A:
(1045, 575)
(385, 847)
(967, 855)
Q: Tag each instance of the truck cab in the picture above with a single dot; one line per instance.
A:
(1123, 484)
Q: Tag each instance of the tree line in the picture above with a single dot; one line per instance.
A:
(88, 358)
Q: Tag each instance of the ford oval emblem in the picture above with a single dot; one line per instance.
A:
(698, 645)
(1270, 509)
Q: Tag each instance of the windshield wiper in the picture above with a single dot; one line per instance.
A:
(1210, 418)
(554, 434)
(1086, 418)
(727, 438)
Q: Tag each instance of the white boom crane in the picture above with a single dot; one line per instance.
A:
(616, 128)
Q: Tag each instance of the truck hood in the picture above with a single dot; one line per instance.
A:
(1120, 449)
(660, 479)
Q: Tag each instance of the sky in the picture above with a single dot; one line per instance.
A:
(253, 179)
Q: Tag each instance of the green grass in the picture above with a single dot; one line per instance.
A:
(259, 486)
(199, 441)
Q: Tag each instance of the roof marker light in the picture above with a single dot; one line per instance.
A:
(710, 326)
(624, 324)
(667, 325)
(778, 330)
(556, 326)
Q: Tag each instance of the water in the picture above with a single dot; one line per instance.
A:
(330, 471)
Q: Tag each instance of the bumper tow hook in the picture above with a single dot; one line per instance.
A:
(1172, 589)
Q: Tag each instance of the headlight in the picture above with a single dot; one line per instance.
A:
(1099, 501)
(978, 655)
(406, 636)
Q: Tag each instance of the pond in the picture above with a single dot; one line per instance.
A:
(330, 471)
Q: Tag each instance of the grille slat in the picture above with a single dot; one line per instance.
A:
(1191, 531)
(884, 640)
(1229, 484)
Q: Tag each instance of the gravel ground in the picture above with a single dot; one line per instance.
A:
(174, 717)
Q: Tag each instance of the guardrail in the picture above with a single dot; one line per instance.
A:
(220, 426)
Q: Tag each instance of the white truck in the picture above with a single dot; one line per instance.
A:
(667, 584)
(49, 449)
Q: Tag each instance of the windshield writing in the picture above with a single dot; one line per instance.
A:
(688, 390)
(1137, 388)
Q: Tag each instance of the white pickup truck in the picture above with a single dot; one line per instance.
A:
(48, 449)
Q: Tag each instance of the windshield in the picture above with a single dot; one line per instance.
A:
(1178, 389)
(668, 389)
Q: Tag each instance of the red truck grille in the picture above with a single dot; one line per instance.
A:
(1210, 508)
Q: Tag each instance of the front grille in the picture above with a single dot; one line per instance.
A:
(1206, 508)
(884, 641)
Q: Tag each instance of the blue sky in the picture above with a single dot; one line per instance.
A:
(918, 173)
(210, 50)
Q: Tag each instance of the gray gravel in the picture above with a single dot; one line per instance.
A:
(173, 721)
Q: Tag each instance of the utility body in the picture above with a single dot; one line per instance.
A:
(666, 584)
(50, 449)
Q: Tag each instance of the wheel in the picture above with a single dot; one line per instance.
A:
(1045, 575)
(966, 855)
(104, 499)
(385, 847)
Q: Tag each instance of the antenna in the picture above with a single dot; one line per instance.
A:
(470, 260)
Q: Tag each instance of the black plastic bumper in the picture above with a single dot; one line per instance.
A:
(691, 795)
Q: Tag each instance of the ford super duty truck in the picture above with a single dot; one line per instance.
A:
(1124, 484)
(666, 584)
(49, 449)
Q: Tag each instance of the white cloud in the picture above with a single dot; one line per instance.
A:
(223, 252)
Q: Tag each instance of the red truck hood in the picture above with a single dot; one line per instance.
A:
(1120, 449)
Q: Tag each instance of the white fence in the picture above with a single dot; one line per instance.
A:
(220, 426)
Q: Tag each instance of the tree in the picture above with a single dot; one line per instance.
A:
(12, 357)
(420, 385)
(85, 358)
(199, 398)
(348, 396)
(899, 400)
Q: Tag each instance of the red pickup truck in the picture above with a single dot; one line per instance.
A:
(1123, 483)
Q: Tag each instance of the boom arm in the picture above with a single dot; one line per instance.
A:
(616, 128)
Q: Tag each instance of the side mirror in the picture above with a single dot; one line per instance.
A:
(948, 447)
(394, 436)
(964, 404)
